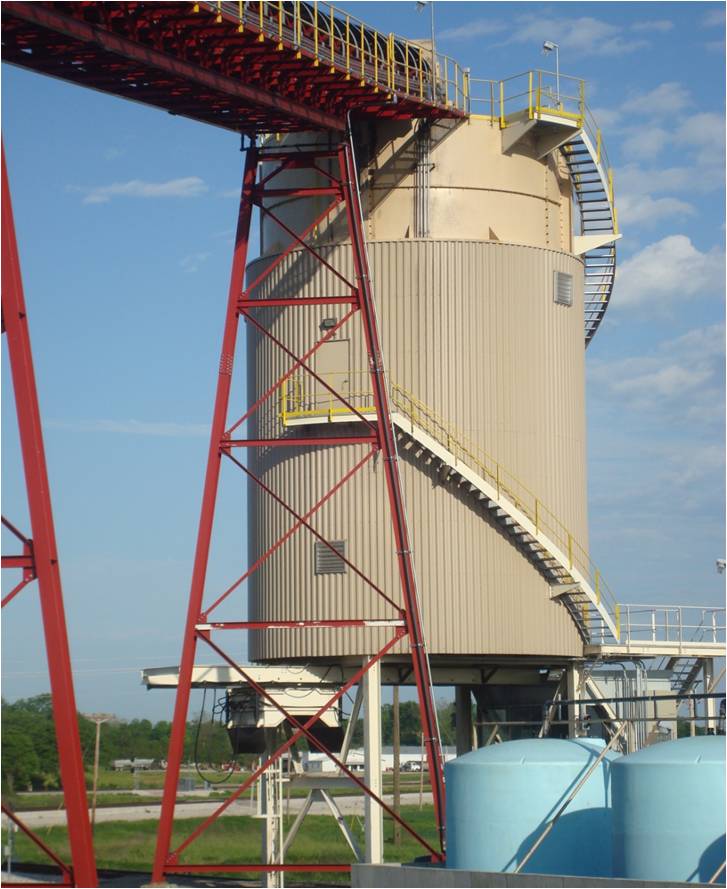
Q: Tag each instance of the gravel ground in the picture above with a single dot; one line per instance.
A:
(349, 805)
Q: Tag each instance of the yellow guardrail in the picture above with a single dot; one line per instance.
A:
(503, 102)
(538, 92)
(344, 43)
(298, 401)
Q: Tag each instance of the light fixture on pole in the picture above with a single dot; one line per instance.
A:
(549, 46)
(421, 5)
(99, 719)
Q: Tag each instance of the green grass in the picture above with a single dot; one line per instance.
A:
(231, 840)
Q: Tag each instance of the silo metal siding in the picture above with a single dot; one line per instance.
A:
(471, 329)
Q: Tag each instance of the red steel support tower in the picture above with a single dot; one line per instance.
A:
(39, 560)
(341, 189)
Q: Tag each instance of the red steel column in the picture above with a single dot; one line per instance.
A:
(44, 548)
(201, 556)
(387, 441)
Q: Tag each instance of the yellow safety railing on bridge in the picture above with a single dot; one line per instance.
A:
(342, 42)
(303, 397)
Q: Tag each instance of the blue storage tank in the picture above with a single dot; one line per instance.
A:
(669, 811)
(500, 798)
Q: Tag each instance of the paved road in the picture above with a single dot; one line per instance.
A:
(349, 805)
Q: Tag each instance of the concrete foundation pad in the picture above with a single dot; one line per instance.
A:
(423, 877)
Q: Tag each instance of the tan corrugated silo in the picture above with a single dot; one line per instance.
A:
(470, 247)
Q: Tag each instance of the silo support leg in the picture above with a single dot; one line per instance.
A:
(709, 703)
(574, 689)
(463, 717)
(374, 820)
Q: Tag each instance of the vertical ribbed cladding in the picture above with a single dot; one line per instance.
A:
(471, 329)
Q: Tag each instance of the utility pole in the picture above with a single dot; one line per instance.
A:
(397, 765)
(99, 719)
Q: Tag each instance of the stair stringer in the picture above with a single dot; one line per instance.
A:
(491, 492)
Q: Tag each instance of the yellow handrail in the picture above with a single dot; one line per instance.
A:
(297, 403)
(314, 27)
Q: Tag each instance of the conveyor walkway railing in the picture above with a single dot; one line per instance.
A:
(342, 42)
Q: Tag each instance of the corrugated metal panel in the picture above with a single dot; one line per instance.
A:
(472, 330)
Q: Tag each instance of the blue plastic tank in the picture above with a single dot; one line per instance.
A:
(669, 811)
(500, 798)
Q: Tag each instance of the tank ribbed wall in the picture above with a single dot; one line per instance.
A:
(472, 330)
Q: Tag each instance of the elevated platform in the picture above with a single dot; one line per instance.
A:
(249, 67)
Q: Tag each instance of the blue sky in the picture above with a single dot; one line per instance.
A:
(124, 218)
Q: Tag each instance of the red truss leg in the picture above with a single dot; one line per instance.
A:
(405, 618)
(40, 560)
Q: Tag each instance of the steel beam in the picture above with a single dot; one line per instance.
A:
(259, 96)
(405, 619)
(44, 550)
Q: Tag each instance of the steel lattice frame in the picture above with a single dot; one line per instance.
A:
(39, 561)
(342, 189)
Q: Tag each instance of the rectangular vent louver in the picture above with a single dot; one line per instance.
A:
(328, 562)
(563, 291)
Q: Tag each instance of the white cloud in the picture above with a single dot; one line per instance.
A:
(472, 29)
(704, 132)
(662, 101)
(645, 210)
(655, 26)
(715, 18)
(635, 179)
(193, 261)
(584, 36)
(666, 272)
(682, 376)
(133, 427)
(645, 142)
(187, 187)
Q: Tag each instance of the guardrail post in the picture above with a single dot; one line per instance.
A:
(582, 104)
(714, 626)
(502, 105)
(530, 95)
(348, 45)
(617, 615)
(653, 625)
(315, 28)
(390, 61)
(376, 59)
(497, 478)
